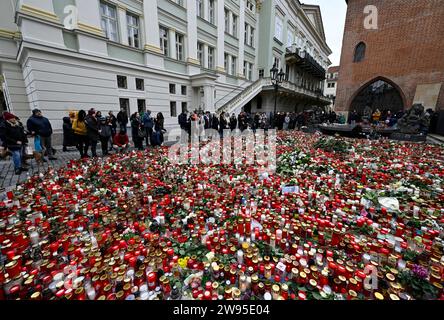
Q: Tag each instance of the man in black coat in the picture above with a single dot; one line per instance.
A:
(38, 125)
(122, 119)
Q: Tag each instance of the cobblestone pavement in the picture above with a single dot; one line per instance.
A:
(8, 179)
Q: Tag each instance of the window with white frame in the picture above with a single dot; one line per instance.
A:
(278, 29)
(227, 20)
(277, 62)
(248, 70)
(200, 53)
(233, 65)
(199, 8)
(247, 27)
(109, 21)
(133, 30)
(180, 46)
(290, 37)
(164, 40)
(234, 34)
(252, 31)
(250, 5)
(249, 35)
(211, 11)
(211, 58)
(179, 2)
(226, 57)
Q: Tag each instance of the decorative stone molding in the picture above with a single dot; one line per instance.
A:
(90, 29)
(152, 48)
(39, 13)
(8, 34)
(193, 61)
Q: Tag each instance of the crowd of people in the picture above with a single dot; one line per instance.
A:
(83, 130)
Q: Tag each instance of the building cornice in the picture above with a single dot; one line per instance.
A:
(9, 34)
(39, 13)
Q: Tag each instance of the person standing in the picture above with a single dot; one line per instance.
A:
(105, 134)
(233, 122)
(40, 126)
(159, 129)
(137, 131)
(92, 128)
(68, 134)
(148, 124)
(15, 139)
(81, 133)
(287, 120)
(122, 119)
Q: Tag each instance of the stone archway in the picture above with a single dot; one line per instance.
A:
(379, 93)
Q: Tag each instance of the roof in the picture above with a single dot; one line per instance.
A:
(315, 16)
(333, 69)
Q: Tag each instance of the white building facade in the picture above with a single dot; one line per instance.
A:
(159, 55)
(331, 85)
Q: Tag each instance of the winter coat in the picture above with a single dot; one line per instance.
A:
(148, 121)
(92, 128)
(13, 134)
(79, 127)
(120, 140)
(105, 131)
(40, 125)
(122, 118)
(68, 133)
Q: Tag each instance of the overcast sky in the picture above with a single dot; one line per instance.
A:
(333, 15)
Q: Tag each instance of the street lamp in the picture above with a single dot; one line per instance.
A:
(276, 79)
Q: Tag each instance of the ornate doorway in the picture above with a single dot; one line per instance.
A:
(378, 94)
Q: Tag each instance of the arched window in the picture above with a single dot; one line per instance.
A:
(359, 52)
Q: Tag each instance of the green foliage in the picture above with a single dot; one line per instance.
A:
(330, 144)
(421, 289)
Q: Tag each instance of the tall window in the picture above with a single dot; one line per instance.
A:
(141, 106)
(250, 71)
(179, 47)
(173, 109)
(278, 28)
(200, 54)
(226, 62)
(199, 7)
(164, 40)
(133, 30)
(109, 21)
(234, 26)
(252, 36)
(211, 11)
(359, 52)
(227, 20)
(122, 82)
(210, 58)
(290, 38)
(140, 84)
(247, 26)
(233, 65)
(250, 5)
(277, 62)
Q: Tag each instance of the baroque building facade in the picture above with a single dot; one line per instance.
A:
(159, 55)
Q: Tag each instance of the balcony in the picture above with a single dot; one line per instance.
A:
(305, 61)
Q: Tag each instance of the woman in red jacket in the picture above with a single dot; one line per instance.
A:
(121, 141)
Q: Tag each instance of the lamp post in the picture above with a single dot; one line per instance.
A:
(276, 79)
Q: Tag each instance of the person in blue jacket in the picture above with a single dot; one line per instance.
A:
(40, 126)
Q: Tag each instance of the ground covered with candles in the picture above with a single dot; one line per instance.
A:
(340, 219)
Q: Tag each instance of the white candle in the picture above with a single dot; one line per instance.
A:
(278, 235)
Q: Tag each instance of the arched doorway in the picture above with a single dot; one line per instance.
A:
(379, 94)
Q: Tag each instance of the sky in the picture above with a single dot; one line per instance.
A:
(333, 16)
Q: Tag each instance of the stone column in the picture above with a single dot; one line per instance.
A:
(241, 55)
(230, 22)
(220, 20)
(121, 14)
(205, 56)
(153, 53)
(209, 98)
(172, 43)
(151, 20)
(192, 38)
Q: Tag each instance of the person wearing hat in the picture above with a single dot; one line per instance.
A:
(15, 139)
(105, 134)
(40, 126)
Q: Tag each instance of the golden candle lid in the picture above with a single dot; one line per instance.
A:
(102, 298)
(228, 290)
(36, 295)
(79, 291)
(120, 294)
(394, 297)
(294, 271)
(127, 287)
(390, 277)
(215, 285)
(313, 283)
(267, 267)
(438, 285)
(276, 288)
(314, 268)
(303, 275)
(394, 272)
(254, 278)
(261, 285)
(245, 245)
(352, 293)
(236, 292)
(379, 296)
(108, 287)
